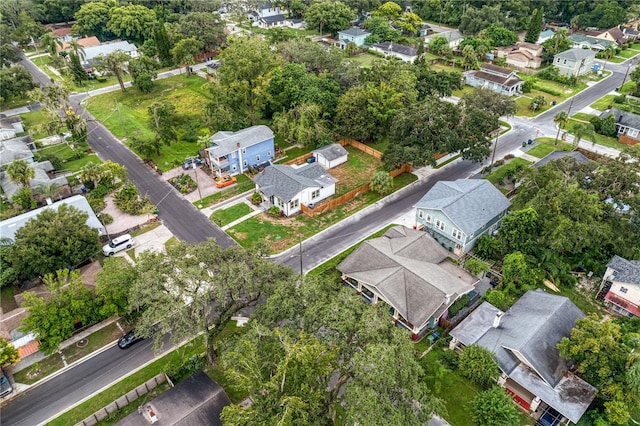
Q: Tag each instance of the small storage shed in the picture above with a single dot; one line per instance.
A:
(331, 156)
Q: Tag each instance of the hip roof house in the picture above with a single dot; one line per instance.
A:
(409, 271)
(499, 79)
(524, 342)
(456, 213)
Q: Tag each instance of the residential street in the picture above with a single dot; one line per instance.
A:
(188, 224)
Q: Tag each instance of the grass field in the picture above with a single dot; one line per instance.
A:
(546, 146)
(282, 232)
(497, 177)
(125, 115)
(225, 216)
(628, 53)
(71, 162)
(603, 103)
(95, 341)
(603, 140)
(357, 171)
(33, 121)
(364, 60)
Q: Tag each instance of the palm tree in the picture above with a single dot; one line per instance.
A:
(50, 42)
(561, 120)
(580, 130)
(558, 38)
(77, 49)
(20, 172)
(608, 53)
(91, 172)
(49, 190)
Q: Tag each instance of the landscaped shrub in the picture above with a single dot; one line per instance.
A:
(183, 183)
(188, 368)
(450, 358)
(97, 204)
(105, 218)
(256, 198)
(526, 87)
(55, 161)
(550, 91)
(129, 201)
(274, 211)
(458, 305)
(476, 266)
(508, 157)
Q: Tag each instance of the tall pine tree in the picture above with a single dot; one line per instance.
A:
(535, 26)
(75, 68)
(163, 45)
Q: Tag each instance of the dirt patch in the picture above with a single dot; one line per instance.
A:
(357, 171)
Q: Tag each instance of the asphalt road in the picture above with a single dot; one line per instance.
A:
(180, 216)
(54, 396)
(42, 402)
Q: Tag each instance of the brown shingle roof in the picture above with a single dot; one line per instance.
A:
(495, 68)
(505, 81)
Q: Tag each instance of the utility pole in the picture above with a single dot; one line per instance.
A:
(300, 239)
(495, 146)
(626, 73)
(195, 170)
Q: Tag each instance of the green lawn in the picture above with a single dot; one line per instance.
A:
(382, 145)
(603, 103)
(628, 53)
(40, 369)
(32, 122)
(364, 60)
(501, 172)
(461, 92)
(225, 216)
(293, 152)
(546, 146)
(617, 60)
(96, 340)
(609, 141)
(125, 115)
(581, 116)
(7, 301)
(357, 171)
(244, 184)
(42, 62)
(282, 233)
(523, 102)
(71, 161)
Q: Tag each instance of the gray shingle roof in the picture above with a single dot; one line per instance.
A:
(41, 177)
(389, 46)
(404, 267)
(15, 149)
(556, 155)
(533, 326)
(285, 182)
(576, 54)
(9, 226)
(91, 52)
(468, 203)
(624, 118)
(222, 143)
(196, 401)
(331, 152)
(627, 271)
(355, 32)
(273, 18)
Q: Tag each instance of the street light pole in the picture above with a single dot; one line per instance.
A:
(195, 170)
(626, 73)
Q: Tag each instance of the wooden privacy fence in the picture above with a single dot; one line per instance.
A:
(335, 202)
(362, 147)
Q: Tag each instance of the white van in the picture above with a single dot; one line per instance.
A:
(123, 242)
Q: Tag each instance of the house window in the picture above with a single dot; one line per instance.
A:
(244, 150)
(624, 290)
(245, 163)
(632, 133)
(456, 233)
(257, 158)
(293, 204)
(420, 214)
(315, 194)
(234, 167)
(621, 130)
(564, 62)
(269, 153)
(427, 218)
(440, 224)
(557, 60)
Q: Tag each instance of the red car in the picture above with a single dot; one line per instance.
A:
(225, 181)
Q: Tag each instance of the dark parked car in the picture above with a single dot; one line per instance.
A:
(188, 163)
(128, 339)
(5, 385)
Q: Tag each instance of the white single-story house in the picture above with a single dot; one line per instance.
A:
(287, 187)
(395, 50)
(10, 127)
(92, 52)
(21, 148)
(331, 156)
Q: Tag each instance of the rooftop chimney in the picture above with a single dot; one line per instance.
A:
(496, 320)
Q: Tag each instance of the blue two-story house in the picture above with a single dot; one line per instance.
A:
(234, 152)
(353, 35)
(456, 213)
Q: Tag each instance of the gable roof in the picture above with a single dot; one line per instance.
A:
(451, 35)
(285, 182)
(331, 152)
(223, 143)
(9, 226)
(410, 270)
(355, 32)
(85, 42)
(15, 149)
(389, 46)
(197, 400)
(556, 155)
(598, 43)
(615, 33)
(90, 53)
(533, 327)
(627, 271)
(496, 69)
(576, 54)
(273, 18)
(469, 203)
(623, 118)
